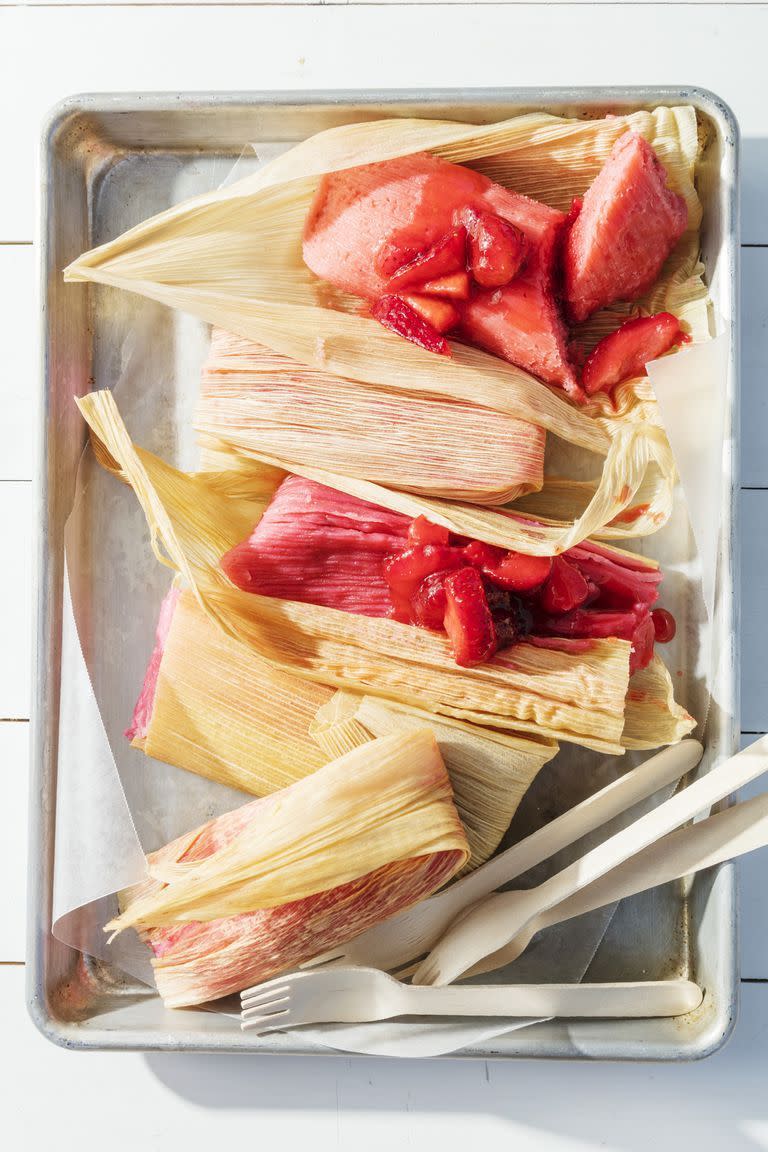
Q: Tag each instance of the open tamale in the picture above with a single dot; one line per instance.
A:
(559, 689)
(266, 886)
(233, 257)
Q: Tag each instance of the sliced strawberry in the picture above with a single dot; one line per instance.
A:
(497, 249)
(521, 573)
(423, 531)
(512, 570)
(453, 287)
(626, 351)
(429, 602)
(400, 318)
(635, 625)
(405, 572)
(565, 588)
(441, 314)
(483, 556)
(619, 584)
(664, 625)
(468, 620)
(446, 256)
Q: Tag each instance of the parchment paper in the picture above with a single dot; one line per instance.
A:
(114, 804)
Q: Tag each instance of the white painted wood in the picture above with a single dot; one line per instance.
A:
(15, 599)
(20, 374)
(754, 611)
(58, 1099)
(51, 52)
(14, 782)
(754, 366)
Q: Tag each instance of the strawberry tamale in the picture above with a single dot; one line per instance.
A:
(253, 399)
(320, 546)
(381, 228)
(210, 705)
(270, 884)
(554, 687)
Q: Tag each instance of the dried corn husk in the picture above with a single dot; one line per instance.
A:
(233, 257)
(255, 399)
(566, 690)
(382, 803)
(490, 771)
(225, 714)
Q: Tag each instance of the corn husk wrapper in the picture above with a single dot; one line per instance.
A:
(222, 712)
(233, 258)
(570, 691)
(490, 771)
(254, 399)
(388, 801)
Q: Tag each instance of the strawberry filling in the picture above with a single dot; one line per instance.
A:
(395, 313)
(436, 247)
(468, 619)
(321, 546)
(444, 258)
(625, 352)
(497, 250)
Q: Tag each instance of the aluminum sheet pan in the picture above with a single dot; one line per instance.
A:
(112, 160)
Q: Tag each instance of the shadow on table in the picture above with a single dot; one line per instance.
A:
(717, 1104)
(754, 176)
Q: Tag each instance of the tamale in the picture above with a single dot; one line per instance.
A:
(564, 690)
(490, 770)
(264, 887)
(233, 257)
(255, 399)
(211, 706)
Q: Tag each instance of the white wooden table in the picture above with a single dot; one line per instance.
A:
(59, 1100)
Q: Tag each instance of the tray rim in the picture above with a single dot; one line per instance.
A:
(42, 759)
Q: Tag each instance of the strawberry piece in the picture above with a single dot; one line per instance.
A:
(446, 256)
(400, 318)
(405, 572)
(483, 556)
(513, 622)
(565, 588)
(423, 531)
(497, 249)
(453, 287)
(512, 570)
(628, 224)
(626, 351)
(635, 625)
(664, 625)
(620, 585)
(441, 314)
(521, 573)
(429, 602)
(468, 620)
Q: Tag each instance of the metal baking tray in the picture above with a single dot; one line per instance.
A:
(111, 160)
